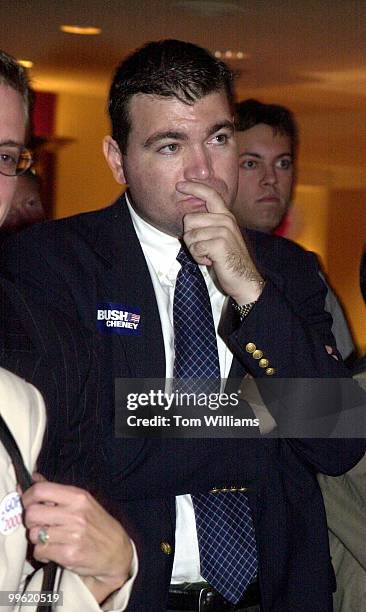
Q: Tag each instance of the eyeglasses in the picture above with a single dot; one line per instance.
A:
(14, 160)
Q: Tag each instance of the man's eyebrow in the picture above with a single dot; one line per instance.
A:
(10, 143)
(221, 125)
(158, 136)
(259, 156)
(176, 135)
(251, 153)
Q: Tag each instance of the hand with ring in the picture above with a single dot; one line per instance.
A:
(68, 526)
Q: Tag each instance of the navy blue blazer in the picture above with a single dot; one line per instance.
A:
(77, 263)
(57, 357)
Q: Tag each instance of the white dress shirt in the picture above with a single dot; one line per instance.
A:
(160, 252)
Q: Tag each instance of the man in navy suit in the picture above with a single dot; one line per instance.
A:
(173, 144)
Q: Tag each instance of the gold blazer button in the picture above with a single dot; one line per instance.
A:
(263, 363)
(250, 347)
(166, 548)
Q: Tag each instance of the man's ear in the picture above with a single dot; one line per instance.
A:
(114, 159)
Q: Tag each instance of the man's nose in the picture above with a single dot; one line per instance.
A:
(198, 165)
(269, 175)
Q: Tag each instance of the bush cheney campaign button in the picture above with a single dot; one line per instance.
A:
(118, 319)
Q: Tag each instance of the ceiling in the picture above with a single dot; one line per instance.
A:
(308, 54)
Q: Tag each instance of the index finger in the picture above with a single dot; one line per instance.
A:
(50, 492)
(213, 200)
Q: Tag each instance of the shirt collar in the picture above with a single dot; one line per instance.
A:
(161, 249)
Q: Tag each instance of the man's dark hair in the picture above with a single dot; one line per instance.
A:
(166, 68)
(252, 112)
(15, 76)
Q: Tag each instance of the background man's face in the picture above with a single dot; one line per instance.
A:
(266, 178)
(12, 135)
(169, 142)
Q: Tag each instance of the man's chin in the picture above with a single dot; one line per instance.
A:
(174, 229)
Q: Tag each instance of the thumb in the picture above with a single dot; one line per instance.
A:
(37, 477)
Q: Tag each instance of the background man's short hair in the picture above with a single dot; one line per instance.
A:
(15, 76)
(252, 112)
(166, 68)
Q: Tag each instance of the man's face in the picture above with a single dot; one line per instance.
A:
(170, 142)
(266, 177)
(26, 206)
(12, 135)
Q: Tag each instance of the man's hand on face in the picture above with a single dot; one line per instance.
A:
(214, 238)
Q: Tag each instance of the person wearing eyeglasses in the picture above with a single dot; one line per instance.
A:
(65, 523)
(15, 159)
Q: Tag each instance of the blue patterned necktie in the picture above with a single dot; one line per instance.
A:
(196, 355)
(224, 524)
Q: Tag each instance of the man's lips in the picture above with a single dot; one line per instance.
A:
(193, 201)
(269, 198)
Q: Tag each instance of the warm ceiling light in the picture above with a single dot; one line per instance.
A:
(25, 63)
(231, 55)
(86, 31)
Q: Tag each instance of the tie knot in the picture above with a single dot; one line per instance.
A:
(186, 260)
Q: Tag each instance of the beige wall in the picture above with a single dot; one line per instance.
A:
(308, 219)
(332, 223)
(84, 181)
(347, 238)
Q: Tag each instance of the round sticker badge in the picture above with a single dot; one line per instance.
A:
(10, 513)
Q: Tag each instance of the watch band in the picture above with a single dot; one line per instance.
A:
(244, 309)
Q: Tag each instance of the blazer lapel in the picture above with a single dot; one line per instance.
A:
(126, 280)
